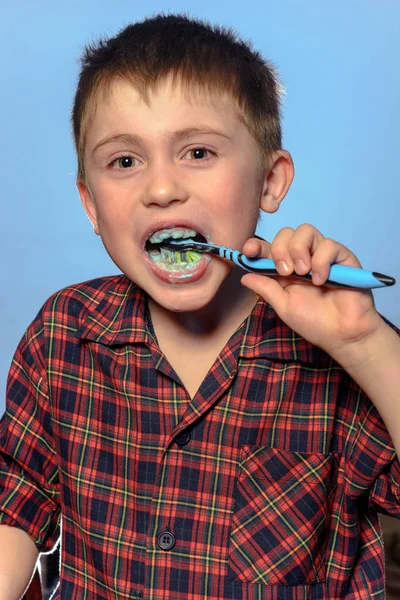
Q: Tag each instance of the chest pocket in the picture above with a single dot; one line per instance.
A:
(281, 517)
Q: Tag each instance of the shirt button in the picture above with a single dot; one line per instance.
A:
(182, 439)
(166, 540)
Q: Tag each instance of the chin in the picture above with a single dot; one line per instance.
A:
(180, 301)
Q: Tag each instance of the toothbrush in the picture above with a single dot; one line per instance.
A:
(339, 275)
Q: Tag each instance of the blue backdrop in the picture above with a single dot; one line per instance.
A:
(339, 62)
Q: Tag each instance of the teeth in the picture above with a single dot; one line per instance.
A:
(173, 260)
(166, 255)
(154, 255)
(183, 233)
(177, 233)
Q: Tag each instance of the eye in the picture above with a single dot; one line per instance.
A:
(124, 162)
(197, 154)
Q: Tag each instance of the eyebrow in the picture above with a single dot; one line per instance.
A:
(181, 134)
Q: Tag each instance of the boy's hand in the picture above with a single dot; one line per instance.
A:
(337, 320)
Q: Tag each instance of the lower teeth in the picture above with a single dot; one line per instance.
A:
(171, 260)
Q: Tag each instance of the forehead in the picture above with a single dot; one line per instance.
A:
(122, 104)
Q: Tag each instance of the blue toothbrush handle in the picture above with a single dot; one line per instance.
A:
(339, 275)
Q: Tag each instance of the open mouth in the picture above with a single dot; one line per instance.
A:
(173, 261)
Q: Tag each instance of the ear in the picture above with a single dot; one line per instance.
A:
(278, 179)
(88, 203)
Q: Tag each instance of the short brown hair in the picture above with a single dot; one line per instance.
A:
(200, 54)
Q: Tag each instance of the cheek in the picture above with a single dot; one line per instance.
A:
(113, 210)
(239, 197)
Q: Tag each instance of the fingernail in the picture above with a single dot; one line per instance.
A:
(316, 279)
(283, 267)
(300, 265)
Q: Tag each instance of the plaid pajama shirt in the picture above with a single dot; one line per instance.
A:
(265, 486)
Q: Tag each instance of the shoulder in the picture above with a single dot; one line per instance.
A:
(97, 309)
(71, 306)
(87, 294)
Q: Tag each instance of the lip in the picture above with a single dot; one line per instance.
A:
(181, 277)
(169, 224)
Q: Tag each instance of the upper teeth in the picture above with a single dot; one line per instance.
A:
(175, 233)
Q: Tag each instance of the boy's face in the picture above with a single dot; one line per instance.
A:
(175, 163)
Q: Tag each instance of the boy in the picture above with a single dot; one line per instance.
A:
(203, 434)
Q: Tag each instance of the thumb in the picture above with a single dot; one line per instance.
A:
(267, 288)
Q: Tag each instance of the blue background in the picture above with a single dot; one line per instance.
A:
(339, 62)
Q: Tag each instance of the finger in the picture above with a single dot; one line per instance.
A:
(302, 246)
(327, 253)
(280, 251)
(257, 246)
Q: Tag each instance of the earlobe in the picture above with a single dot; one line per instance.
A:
(269, 203)
(88, 204)
(278, 180)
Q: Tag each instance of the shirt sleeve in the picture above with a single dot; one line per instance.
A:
(373, 466)
(29, 482)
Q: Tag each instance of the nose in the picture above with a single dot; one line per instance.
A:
(164, 186)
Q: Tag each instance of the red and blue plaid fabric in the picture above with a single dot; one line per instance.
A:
(265, 486)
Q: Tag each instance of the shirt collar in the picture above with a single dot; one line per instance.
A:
(116, 314)
(265, 335)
